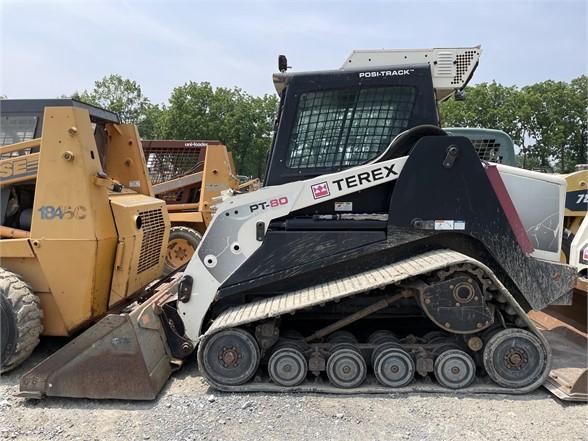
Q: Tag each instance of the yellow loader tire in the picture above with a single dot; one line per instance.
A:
(181, 246)
(21, 323)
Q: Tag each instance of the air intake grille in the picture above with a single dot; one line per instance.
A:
(153, 229)
(487, 149)
(462, 64)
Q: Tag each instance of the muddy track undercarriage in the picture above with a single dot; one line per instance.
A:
(479, 340)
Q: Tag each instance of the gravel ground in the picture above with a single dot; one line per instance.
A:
(188, 410)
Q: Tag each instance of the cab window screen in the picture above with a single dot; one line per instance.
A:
(342, 128)
(16, 128)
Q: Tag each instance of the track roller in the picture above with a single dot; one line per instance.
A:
(516, 358)
(346, 368)
(393, 366)
(382, 336)
(287, 366)
(230, 357)
(435, 336)
(341, 337)
(454, 369)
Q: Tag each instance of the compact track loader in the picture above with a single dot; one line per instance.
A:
(381, 255)
(188, 175)
(81, 233)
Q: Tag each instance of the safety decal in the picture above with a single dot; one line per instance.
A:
(445, 224)
(343, 206)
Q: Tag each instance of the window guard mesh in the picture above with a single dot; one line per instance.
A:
(17, 128)
(342, 128)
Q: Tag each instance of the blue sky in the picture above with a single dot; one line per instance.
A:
(49, 48)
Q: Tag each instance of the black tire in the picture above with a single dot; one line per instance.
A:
(182, 245)
(20, 320)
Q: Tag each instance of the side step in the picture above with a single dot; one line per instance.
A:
(123, 356)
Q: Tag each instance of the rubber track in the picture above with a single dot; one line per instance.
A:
(27, 309)
(371, 386)
(330, 291)
(353, 285)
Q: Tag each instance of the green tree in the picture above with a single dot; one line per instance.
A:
(547, 120)
(488, 105)
(120, 95)
(578, 117)
(559, 121)
(243, 122)
(152, 123)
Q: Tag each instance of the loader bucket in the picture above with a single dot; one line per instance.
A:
(565, 329)
(123, 356)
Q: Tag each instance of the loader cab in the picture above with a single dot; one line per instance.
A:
(22, 121)
(332, 120)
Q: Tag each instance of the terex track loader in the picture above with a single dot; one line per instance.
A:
(81, 233)
(381, 255)
(188, 175)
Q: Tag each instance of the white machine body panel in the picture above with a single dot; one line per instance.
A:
(451, 68)
(539, 199)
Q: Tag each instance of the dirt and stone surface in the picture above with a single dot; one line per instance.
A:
(187, 409)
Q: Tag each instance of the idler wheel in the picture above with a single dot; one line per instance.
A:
(230, 357)
(455, 369)
(516, 358)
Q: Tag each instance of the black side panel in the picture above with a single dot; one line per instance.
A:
(288, 250)
(427, 190)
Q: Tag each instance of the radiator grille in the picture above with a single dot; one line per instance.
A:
(153, 227)
(487, 149)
